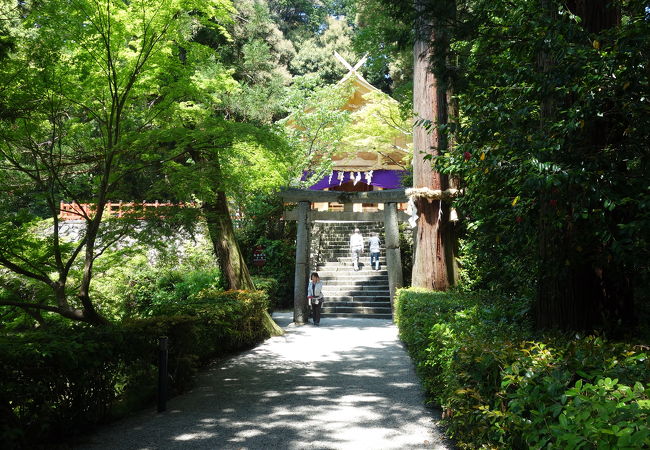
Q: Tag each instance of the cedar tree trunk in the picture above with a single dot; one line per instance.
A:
(434, 265)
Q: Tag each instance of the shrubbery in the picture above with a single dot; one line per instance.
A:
(53, 383)
(58, 382)
(500, 387)
(158, 292)
(273, 289)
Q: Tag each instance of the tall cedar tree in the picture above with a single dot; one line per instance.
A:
(434, 265)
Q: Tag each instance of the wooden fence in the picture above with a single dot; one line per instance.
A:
(133, 210)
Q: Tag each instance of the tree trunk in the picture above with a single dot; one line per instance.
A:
(90, 314)
(393, 256)
(434, 264)
(222, 234)
(229, 257)
(596, 15)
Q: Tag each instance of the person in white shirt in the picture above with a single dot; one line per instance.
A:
(374, 247)
(356, 247)
(315, 297)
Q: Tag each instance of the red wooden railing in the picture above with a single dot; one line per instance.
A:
(137, 210)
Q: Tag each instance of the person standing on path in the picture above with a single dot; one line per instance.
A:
(374, 247)
(356, 247)
(315, 297)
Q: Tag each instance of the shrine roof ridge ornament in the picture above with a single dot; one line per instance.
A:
(348, 66)
(355, 71)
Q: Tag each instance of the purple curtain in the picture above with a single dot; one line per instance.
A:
(387, 179)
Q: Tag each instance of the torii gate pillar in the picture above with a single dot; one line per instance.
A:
(300, 307)
(393, 257)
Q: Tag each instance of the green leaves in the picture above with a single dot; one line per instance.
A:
(378, 126)
(559, 139)
(315, 54)
(501, 387)
(316, 126)
(87, 90)
(605, 414)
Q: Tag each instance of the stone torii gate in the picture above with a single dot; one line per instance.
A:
(304, 216)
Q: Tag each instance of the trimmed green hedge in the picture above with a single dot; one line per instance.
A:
(57, 383)
(500, 387)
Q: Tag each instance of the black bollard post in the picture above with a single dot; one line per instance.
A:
(162, 373)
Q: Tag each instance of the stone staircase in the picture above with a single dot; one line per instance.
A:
(349, 293)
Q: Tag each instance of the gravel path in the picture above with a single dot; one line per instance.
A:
(347, 384)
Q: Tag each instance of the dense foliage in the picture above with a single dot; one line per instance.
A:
(500, 386)
(84, 88)
(58, 382)
(554, 155)
(548, 137)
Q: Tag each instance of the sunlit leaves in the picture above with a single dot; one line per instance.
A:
(377, 126)
(317, 124)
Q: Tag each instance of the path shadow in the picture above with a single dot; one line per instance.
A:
(265, 400)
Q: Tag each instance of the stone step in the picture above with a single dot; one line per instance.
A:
(344, 246)
(335, 271)
(332, 288)
(338, 269)
(370, 304)
(357, 298)
(364, 272)
(348, 283)
(342, 233)
(355, 309)
(348, 265)
(344, 259)
(325, 247)
(342, 252)
(350, 225)
(357, 315)
(356, 292)
(353, 282)
(349, 293)
(345, 239)
(364, 268)
(348, 257)
(352, 276)
(345, 234)
(343, 242)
